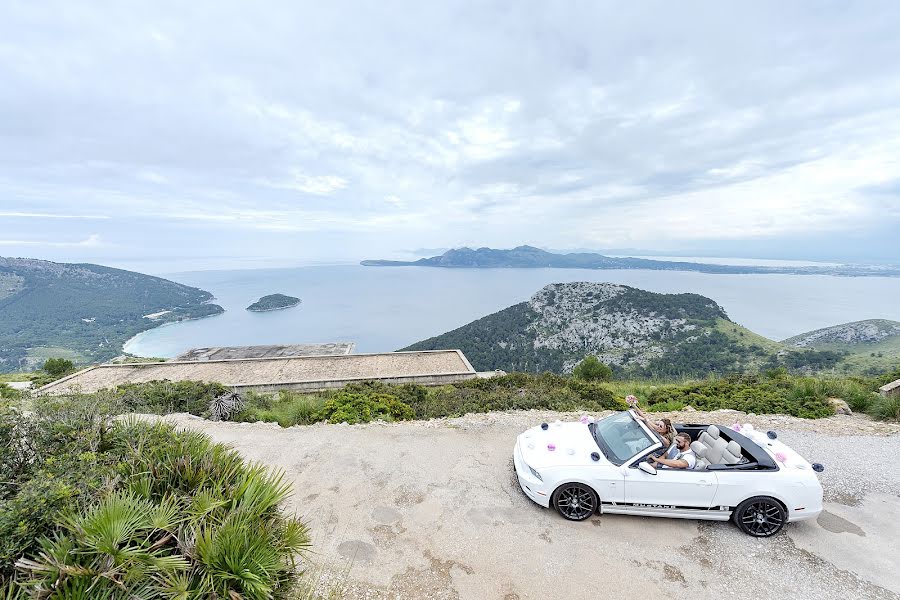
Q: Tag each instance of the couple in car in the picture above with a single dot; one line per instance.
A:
(679, 454)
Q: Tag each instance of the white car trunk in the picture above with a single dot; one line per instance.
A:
(784, 455)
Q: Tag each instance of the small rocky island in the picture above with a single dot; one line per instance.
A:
(273, 302)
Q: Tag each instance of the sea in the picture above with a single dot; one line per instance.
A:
(381, 309)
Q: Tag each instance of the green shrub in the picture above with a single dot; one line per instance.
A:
(361, 408)
(596, 396)
(9, 393)
(58, 367)
(286, 408)
(666, 407)
(164, 397)
(97, 508)
(886, 378)
(802, 397)
(776, 391)
(304, 409)
(53, 458)
(591, 369)
(886, 408)
(507, 381)
(855, 393)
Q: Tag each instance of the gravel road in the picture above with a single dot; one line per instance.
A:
(432, 510)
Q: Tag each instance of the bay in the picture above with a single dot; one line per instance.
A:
(382, 309)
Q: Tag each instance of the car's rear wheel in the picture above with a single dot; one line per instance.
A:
(575, 501)
(760, 516)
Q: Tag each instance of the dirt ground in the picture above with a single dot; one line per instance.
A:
(433, 510)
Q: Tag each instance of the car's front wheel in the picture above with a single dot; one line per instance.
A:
(575, 501)
(760, 516)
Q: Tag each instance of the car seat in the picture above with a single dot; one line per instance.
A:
(712, 449)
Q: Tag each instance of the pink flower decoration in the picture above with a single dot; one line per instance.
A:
(551, 447)
(585, 419)
(780, 457)
(736, 427)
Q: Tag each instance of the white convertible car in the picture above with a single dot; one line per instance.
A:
(584, 467)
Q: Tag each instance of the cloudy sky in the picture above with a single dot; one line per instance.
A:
(281, 132)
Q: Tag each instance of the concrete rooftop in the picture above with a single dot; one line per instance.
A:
(269, 374)
(272, 351)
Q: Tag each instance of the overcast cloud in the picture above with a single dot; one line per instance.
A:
(288, 132)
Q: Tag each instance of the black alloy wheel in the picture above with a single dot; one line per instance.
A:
(575, 502)
(760, 516)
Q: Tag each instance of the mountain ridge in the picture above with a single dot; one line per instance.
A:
(637, 332)
(854, 333)
(530, 257)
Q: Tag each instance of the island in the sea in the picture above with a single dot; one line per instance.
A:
(273, 302)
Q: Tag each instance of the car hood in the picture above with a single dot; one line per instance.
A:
(572, 444)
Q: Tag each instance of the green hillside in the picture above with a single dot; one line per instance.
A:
(638, 333)
(83, 312)
(870, 346)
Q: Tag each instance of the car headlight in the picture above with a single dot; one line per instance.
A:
(536, 474)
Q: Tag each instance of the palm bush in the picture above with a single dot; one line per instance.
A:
(224, 406)
(164, 514)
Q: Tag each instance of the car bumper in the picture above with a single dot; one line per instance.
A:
(796, 515)
(807, 504)
(531, 485)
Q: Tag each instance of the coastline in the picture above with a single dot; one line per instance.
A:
(137, 336)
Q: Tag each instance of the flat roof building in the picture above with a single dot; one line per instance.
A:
(433, 367)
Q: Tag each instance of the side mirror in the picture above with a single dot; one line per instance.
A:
(647, 468)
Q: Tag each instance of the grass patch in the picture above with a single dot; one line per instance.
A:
(886, 408)
(744, 337)
(7, 377)
(874, 358)
(668, 406)
(39, 354)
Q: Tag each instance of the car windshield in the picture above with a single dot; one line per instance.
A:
(620, 437)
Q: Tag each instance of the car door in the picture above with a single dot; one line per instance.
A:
(682, 488)
(609, 483)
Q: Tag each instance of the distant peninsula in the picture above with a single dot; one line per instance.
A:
(84, 312)
(529, 257)
(273, 302)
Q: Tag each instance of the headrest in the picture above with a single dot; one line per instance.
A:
(699, 448)
(713, 431)
(734, 448)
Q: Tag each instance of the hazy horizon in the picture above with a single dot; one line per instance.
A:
(185, 264)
